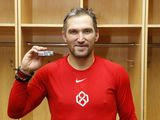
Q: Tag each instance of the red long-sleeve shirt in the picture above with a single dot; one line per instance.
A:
(98, 93)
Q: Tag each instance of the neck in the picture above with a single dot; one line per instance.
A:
(81, 63)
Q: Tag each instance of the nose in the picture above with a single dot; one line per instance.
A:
(81, 38)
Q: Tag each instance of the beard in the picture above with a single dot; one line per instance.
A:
(80, 52)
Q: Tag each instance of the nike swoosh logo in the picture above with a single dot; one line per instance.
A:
(78, 81)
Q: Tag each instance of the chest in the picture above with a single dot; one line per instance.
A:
(93, 90)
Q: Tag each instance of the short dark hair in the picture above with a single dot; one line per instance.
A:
(78, 12)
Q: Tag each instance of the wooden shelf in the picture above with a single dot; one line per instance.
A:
(121, 33)
(42, 31)
(153, 75)
(7, 9)
(40, 11)
(7, 34)
(7, 64)
(153, 58)
(50, 34)
(120, 25)
(99, 25)
(154, 12)
(153, 31)
(7, 25)
(115, 12)
(153, 26)
(7, 52)
(41, 25)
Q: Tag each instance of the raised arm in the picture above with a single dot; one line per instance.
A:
(26, 95)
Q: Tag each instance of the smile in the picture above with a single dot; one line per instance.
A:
(81, 45)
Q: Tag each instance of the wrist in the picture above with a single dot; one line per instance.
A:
(21, 76)
(25, 71)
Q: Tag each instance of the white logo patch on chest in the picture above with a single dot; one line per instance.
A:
(82, 99)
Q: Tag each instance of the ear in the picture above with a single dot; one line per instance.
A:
(64, 36)
(97, 36)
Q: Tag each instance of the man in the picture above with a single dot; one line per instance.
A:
(80, 86)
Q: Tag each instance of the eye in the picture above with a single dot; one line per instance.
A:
(87, 31)
(73, 31)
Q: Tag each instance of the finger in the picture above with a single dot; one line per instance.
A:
(34, 51)
(39, 48)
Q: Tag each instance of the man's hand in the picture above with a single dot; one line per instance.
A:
(31, 61)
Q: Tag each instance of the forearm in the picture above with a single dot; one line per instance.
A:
(23, 99)
(17, 100)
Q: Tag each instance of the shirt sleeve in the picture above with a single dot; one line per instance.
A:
(24, 97)
(124, 97)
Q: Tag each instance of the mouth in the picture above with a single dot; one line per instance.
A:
(81, 45)
(81, 48)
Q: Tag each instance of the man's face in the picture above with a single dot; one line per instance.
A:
(80, 35)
